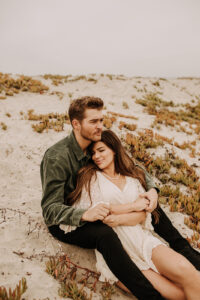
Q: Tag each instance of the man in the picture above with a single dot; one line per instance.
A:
(59, 168)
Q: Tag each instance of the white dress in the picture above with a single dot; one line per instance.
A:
(138, 240)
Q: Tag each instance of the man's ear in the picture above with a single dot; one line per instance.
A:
(76, 124)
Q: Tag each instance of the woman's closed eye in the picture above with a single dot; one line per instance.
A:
(101, 149)
(96, 152)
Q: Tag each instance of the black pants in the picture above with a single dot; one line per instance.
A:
(169, 233)
(97, 235)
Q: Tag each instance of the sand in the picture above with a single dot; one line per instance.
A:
(25, 241)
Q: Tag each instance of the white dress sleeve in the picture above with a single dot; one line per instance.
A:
(85, 201)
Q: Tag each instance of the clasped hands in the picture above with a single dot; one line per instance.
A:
(145, 202)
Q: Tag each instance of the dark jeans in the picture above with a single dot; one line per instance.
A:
(97, 235)
(169, 233)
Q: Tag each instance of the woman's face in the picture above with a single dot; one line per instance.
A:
(102, 155)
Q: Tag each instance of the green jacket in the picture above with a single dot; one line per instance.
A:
(58, 171)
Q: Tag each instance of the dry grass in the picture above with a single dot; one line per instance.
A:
(131, 127)
(74, 278)
(108, 121)
(171, 171)
(125, 105)
(154, 105)
(10, 86)
(3, 126)
(57, 93)
(53, 121)
(122, 115)
(60, 80)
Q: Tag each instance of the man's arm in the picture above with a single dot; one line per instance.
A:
(152, 196)
(149, 180)
(98, 212)
(152, 191)
(54, 175)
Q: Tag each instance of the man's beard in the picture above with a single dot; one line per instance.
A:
(89, 137)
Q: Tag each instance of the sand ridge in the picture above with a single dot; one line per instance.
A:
(25, 241)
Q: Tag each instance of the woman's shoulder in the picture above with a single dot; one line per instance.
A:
(135, 182)
(99, 174)
(132, 180)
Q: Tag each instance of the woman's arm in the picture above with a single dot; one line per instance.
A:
(130, 219)
(140, 204)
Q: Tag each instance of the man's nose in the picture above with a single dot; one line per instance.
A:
(100, 125)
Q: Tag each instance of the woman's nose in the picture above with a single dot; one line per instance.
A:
(95, 155)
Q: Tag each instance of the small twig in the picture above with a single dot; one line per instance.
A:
(18, 253)
(79, 267)
(3, 213)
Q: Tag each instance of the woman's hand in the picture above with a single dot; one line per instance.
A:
(141, 203)
(112, 220)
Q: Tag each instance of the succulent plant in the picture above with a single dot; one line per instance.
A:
(15, 294)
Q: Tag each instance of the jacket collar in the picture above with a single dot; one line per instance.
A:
(74, 145)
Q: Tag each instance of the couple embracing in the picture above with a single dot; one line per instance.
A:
(95, 196)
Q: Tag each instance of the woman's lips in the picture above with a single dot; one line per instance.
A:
(98, 162)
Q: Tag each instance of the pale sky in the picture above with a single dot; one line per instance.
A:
(130, 37)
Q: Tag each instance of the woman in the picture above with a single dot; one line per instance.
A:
(115, 179)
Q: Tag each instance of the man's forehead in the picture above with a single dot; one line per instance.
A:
(92, 113)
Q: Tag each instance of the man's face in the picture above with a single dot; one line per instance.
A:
(92, 124)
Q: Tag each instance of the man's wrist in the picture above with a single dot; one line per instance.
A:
(154, 188)
(84, 216)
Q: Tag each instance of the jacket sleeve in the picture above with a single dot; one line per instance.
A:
(54, 175)
(149, 180)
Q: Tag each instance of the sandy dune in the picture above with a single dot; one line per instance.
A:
(25, 242)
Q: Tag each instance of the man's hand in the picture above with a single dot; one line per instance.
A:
(152, 196)
(99, 212)
(141, 203)
(112, 220)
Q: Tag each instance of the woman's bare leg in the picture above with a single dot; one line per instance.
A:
(177, 269)
(123, 287)
(164, 286)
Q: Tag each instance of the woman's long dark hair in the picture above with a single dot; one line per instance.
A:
(123, 165)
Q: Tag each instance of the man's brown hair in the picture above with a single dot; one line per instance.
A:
(78, 106)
